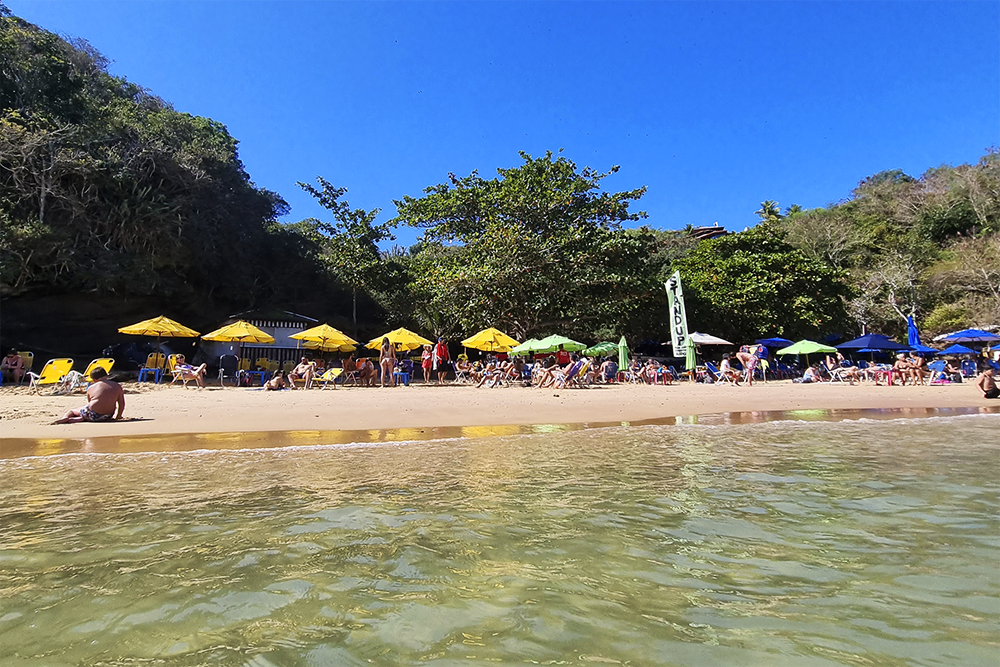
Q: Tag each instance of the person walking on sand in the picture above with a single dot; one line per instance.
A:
(441, 359)
(103, 396)
(387, 361)
(988, 385)
(426, 361)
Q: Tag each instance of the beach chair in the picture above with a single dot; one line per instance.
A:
(229, 365)
(969, 369)
(74, 381)
(105, 362)
(155, 363)
(52, 372)
(717, 375)
(462, 377)
(263, 363)
(329, 377)
(288, 366)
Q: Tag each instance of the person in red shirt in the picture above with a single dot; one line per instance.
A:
(562, 356)
(441, 359)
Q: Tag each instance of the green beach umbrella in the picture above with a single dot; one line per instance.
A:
(552, 343)
(528, 346)
(807, 347)
(691, 361)
(601, 349)
(622, 354)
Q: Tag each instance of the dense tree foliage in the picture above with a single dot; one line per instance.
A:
(755, 284)
(538, 249)
(104, 187)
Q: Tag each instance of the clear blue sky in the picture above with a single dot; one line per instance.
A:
(714, 106)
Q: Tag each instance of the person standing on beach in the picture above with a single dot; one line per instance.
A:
(103, 396)
(441, 359)
(426, 361)
(988, 385)
(387, 361)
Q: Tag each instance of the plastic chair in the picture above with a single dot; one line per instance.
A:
(263, 363)
(288, 366)
(52, 372)
(155, 364)
(329, 377)
(244, 364)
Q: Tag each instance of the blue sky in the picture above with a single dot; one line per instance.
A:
(713, 106)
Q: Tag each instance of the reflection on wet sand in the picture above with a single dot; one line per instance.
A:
(186, 442)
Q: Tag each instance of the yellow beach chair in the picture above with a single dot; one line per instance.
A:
(29, 360)
(52, 372)
(105, 363)
(329, 377)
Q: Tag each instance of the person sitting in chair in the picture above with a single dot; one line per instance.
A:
(189, 372)
(304, 371)
(12, 366)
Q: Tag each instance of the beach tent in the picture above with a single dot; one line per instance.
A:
(706, 339)
(325, 337)
(161, 327)
(956, 349)
(871, 342)
(601, 349)
(968, 336)
(403, 338)
(490, 340)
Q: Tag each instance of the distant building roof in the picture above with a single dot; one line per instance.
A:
(274, 315)
(705, 233)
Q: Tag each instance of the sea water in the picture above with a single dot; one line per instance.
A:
(787, 543)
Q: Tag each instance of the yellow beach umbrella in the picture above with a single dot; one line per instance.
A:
(490, 340)
(328, 347)
(161, 327)
(239, 332)
(403, 338)
(325, 337)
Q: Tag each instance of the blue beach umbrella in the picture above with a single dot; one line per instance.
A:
(970, 336)
(773, 342)
(922, 349)
(956, 349)
(912, 335)
(995, 348)
(871, 342)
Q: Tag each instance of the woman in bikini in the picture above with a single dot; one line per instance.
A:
(387, 360)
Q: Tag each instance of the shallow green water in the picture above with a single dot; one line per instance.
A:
(851, 543)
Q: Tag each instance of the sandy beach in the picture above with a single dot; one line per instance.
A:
(152, 409)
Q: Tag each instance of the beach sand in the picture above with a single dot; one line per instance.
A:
(152, 409)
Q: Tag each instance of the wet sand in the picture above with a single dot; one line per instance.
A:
(152, 410)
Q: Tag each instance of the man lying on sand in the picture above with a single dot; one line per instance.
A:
(102, 398)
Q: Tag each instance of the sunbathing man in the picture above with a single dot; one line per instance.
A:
(304, 371)
(727, 370)
(103, 396)
(988, 385)
(12, 366)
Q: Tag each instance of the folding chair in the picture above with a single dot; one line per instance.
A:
(29, 361)
(52, 372)
(719, 376)
(969, 368)
(229, 364)
(329, 377)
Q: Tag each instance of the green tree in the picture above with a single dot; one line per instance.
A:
(538, 249)
(754, 284)
(351, 241)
